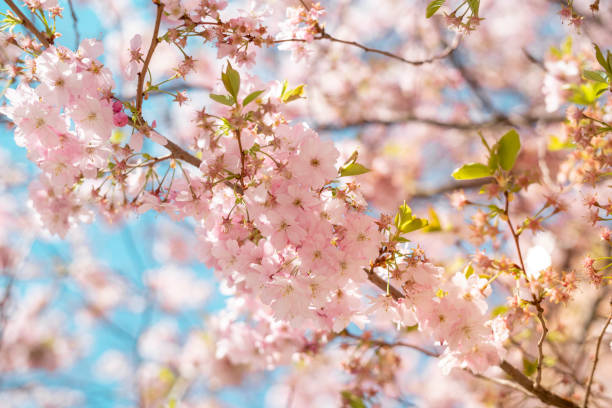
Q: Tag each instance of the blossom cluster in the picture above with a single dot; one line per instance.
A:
(65, 124)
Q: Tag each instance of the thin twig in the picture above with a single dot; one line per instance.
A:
(596, 359)
(28, 24)
(445, 53)
(147, 61)
(537, 301)
(382, 343)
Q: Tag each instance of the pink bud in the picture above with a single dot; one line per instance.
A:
(117, 106)
(120, 119)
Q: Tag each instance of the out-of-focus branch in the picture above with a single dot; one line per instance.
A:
(28, 24)
(447, 188)
(75, 25)
(445, 53)
(498, 120)
(382, 343)
(585, 403)
(324, 35)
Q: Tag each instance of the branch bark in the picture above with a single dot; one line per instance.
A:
(28, 24)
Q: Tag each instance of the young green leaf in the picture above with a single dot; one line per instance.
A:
(251, 97)
(433, 6)
(555, 144)
(353, 400)
(529, 367)
(404, 214)
(231, 80)
(468, 270)
(224, 99)
(471, 171)
(353, 169)
(413, 225)
(508, 149)
(293, 94)
(433, 224)
(594, 76)
(600, 58)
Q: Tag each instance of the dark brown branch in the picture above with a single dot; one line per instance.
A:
(585, 403)
(28, 24)
(541, 393)
(382, 284)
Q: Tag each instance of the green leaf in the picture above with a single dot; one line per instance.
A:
(293, 94)
(594, 76)
(224, 99)
(404, 214)
(251, 97)
(499, 310)
(493, 160)
(434, 222)
(433, 7)
(353, 400)
(587, 94)
(600, 58)
(566, 46)
(353, 169)
(471, 171)
(413, 225)
(529, 367)
(474, 6)
(555, 144)
(508, 149)
(231, 80)
(468, 270)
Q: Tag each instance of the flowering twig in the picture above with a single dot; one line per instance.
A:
(147, 61)
(537, 301)
(596, 359)
(28, 24)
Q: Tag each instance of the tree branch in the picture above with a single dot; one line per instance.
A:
(445, 53)
(497, 120)
(28, 24)
(147, 61)
(541, 393)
